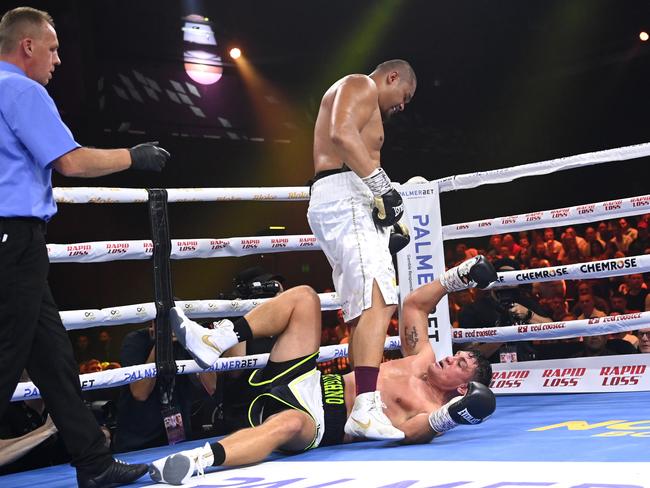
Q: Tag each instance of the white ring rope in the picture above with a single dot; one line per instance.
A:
(580, 214)
(141, 312)
(299, 193)
(196, 309)
(138, 195)
(504, 175)
(122, 376)
(104, 251)
(551, 330)
(554, 330)
(579, 271)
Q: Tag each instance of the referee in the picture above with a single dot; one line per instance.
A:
(33, 141)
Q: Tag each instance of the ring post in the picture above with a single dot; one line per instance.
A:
(163, 296)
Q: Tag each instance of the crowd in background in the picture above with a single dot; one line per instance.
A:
(561, 300)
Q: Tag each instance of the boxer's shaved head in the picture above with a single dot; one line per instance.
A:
(402, 67)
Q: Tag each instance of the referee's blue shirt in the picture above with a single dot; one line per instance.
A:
(32, 136)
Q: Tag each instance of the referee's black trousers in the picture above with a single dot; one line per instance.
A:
(32, 337)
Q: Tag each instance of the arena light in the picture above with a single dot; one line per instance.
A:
(203, 74)
(235, 53)
(643, 35)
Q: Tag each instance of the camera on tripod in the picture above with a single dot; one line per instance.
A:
(506, 298)
(255, 282)
(258, 289)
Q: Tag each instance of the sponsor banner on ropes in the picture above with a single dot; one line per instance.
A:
(555, 330)
(422, 260)
(578, 271)
(580, 214)
(576, 375)
(96, 252)
(123, 376)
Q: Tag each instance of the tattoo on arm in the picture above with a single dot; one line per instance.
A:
(411, 337)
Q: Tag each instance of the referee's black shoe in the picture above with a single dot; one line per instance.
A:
(118, 473)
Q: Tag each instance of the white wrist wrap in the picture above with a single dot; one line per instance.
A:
(440, 421)
(378, 182)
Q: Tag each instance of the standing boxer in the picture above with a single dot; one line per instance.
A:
(352, 209)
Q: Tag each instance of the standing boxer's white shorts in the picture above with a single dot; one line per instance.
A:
(340, 216)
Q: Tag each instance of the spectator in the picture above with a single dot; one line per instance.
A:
(618, 303)
(627, 336)
(495, 243)
(636, 292)
(604, 233)
(539, 252)
(106, 351)
(513, 248)
(644, 340)
(611, 251)
(641, 244)
(595, 246)
(460, 253)
(588, 308)
(570, 236)
(340, 365)
(139, 418)
(545, 290)
(90, 366)
(553, 247)
(587, 288)
(631, 232)
(559, 348)
(525, 252)
(558, 309)
(504, 252)
(82, 349)
(570, 253)
(621, 240)
(458, 301)
(600, 345)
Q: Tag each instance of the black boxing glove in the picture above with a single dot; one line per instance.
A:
(399, 238)
(389, 207)
(148, 157)
(472, 408)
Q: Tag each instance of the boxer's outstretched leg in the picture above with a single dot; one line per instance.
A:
(294, 315)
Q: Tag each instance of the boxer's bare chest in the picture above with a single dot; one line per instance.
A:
(406, 393)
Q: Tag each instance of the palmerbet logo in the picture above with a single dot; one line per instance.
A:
(608, 428)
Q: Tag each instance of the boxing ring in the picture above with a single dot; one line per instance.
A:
(603, 443)
(581, 422)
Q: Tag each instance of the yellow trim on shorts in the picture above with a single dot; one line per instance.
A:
(266, 382)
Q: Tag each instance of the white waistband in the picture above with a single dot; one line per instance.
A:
(337, 186)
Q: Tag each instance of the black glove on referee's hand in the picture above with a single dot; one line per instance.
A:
(148, 157)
